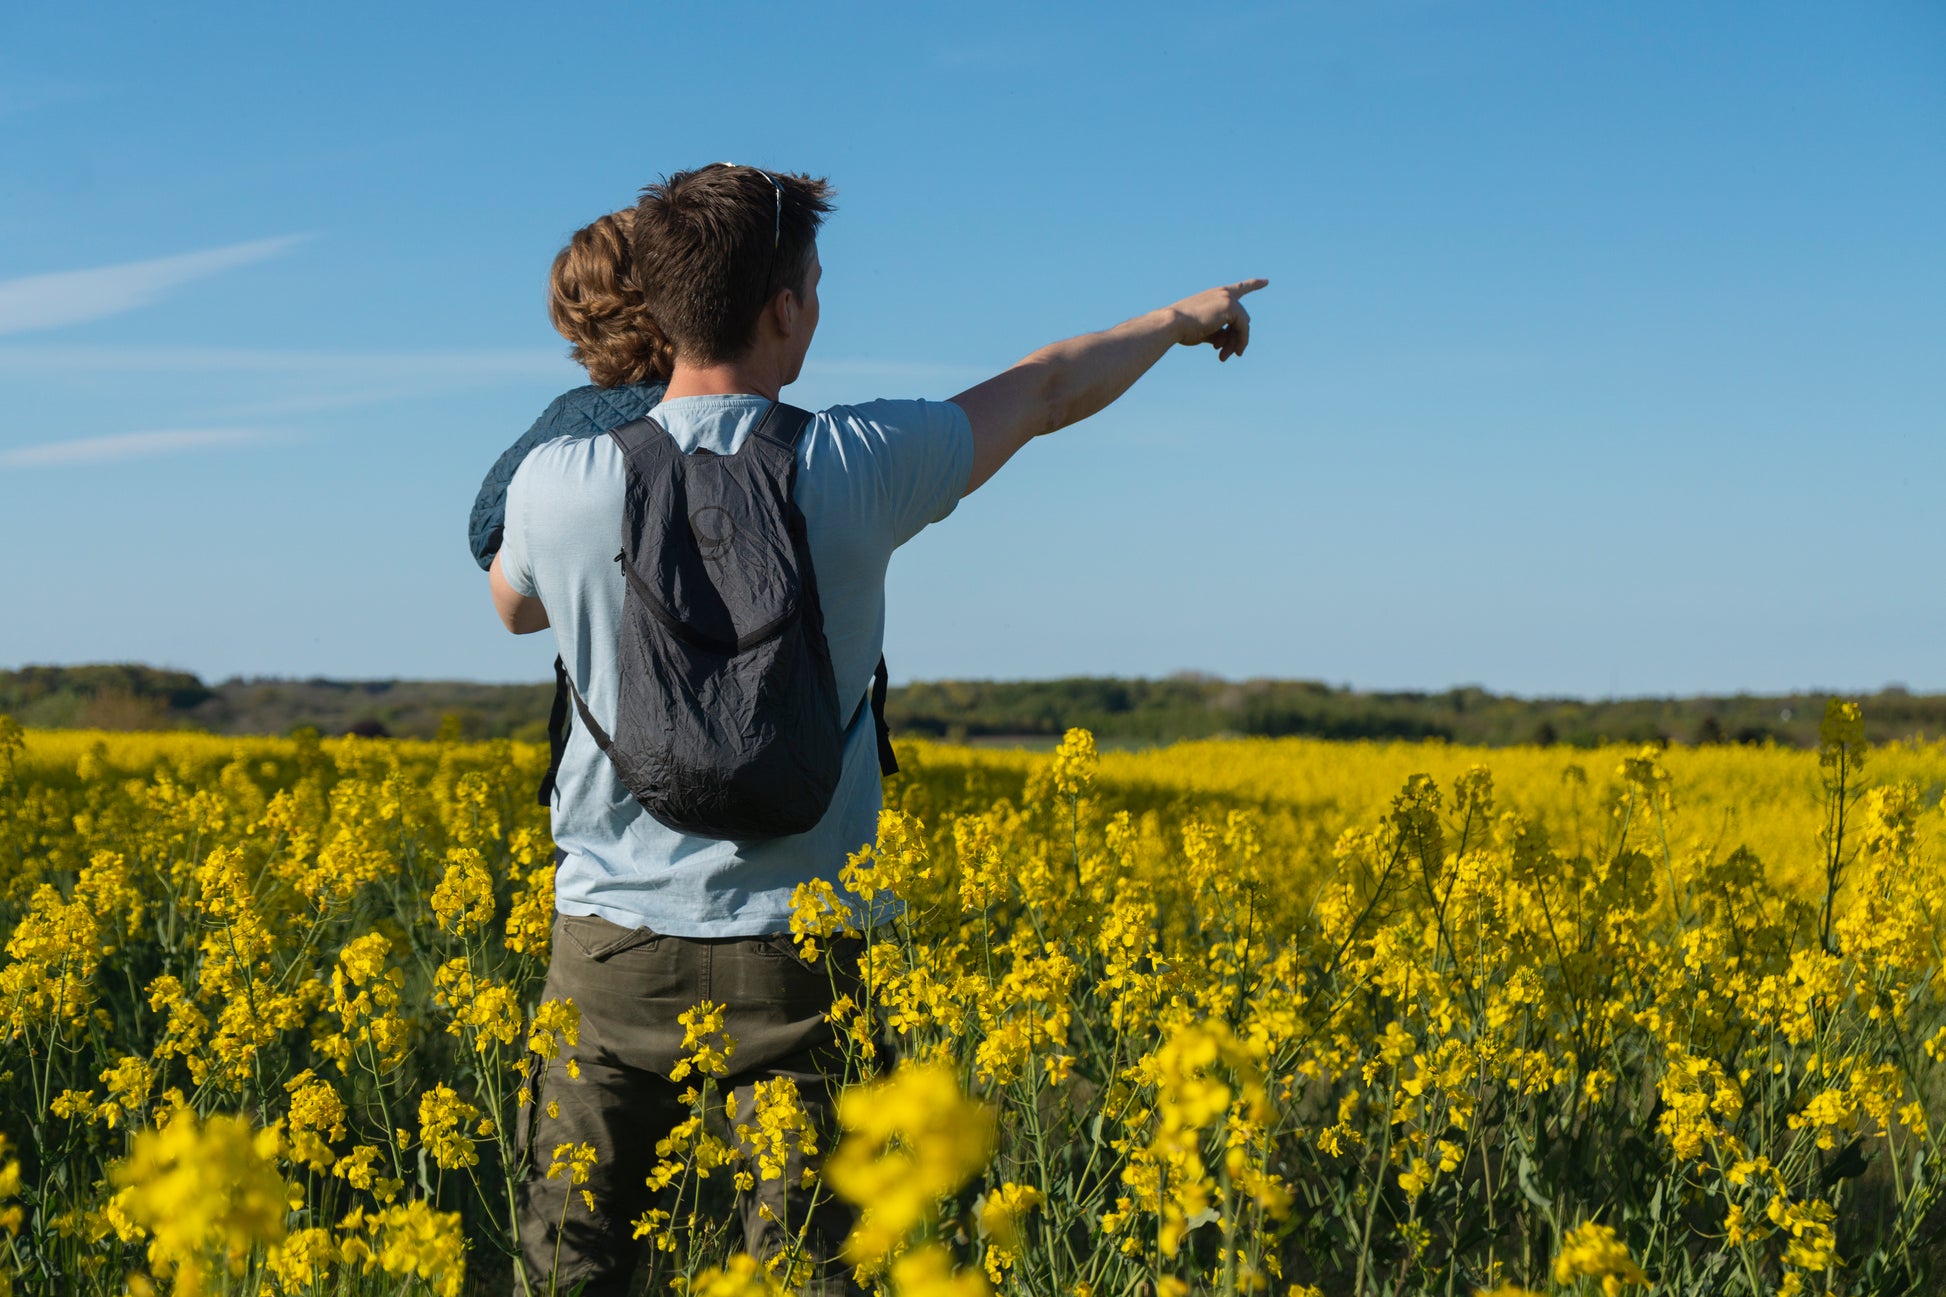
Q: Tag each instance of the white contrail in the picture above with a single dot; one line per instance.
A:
(127, 445)
(74, 296)
(168, 358)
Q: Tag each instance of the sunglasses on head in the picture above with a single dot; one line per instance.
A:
(776, 224)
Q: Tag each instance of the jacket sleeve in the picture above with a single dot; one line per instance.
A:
(488, 522)
(583, 412)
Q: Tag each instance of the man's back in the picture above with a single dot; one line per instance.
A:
(869, 478)
(725, 259)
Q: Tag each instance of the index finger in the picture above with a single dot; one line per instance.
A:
(1248, 286)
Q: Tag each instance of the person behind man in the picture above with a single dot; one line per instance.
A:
(593, 302)
(650, 920)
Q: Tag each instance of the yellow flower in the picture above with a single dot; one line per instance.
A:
(576, 1161)
(56, 949)
(1416, 1176)
(1074, 763)
(781, 1124)
(365, 996)
(128, 1080)
(463, 900)
(1813, 1246)
(1200, 1071)
(818, 912)
(706, 1047)
(207, 1192)
(1001, 1210)
(554, 1020)
(441, 1114)
(412, 1239)
(304, 1258)
(74, 1103)
(1237, 972)
(1740, 1230)
(359, 1169)
(1593, 1250)
(895, 862)
(11, 1214)
(982, 876)
(927, 1271)
(653, 1224)
(909, 1141)
(530, 918)
(741, 1276)
(317, 1116)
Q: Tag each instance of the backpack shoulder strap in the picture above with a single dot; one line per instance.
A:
(783, 424)
(557, 729)
(643, 434)
(557, 732)
(887, 763)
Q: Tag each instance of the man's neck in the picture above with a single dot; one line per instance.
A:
(747, 377)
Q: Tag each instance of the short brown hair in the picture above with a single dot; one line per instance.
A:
(595, 304)
(705, 256)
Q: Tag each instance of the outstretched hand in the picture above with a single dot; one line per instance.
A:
(1216, 316)
(1065, 382)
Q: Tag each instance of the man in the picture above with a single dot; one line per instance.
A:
(651, 920)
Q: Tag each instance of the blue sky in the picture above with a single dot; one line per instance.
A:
(1602, 354)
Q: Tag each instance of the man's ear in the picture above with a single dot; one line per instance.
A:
(784, 312)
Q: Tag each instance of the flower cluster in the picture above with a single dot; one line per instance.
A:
(1236, 1016)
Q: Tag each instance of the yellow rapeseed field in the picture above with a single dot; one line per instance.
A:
(1287, 1017)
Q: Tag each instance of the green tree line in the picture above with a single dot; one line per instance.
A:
(129, 696)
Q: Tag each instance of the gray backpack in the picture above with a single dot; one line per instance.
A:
(729, 722)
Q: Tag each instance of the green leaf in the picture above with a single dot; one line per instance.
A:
(1528, 1188)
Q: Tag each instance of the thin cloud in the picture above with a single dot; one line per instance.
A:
(491, 363)
(517, 362)
(128, 445)
(76, 296)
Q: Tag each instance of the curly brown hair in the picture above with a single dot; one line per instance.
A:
(594, 302)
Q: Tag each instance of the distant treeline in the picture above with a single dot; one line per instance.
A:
(1152, 711)
(1126, 712)
(129, 697)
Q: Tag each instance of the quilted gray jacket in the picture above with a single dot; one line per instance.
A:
(583, 412)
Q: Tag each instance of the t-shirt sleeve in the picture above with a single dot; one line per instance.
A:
(921, 454)
(516, 560)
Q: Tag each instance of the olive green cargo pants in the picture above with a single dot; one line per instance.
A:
(630, 985)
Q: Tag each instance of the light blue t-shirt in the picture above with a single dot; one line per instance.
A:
(869, 478)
